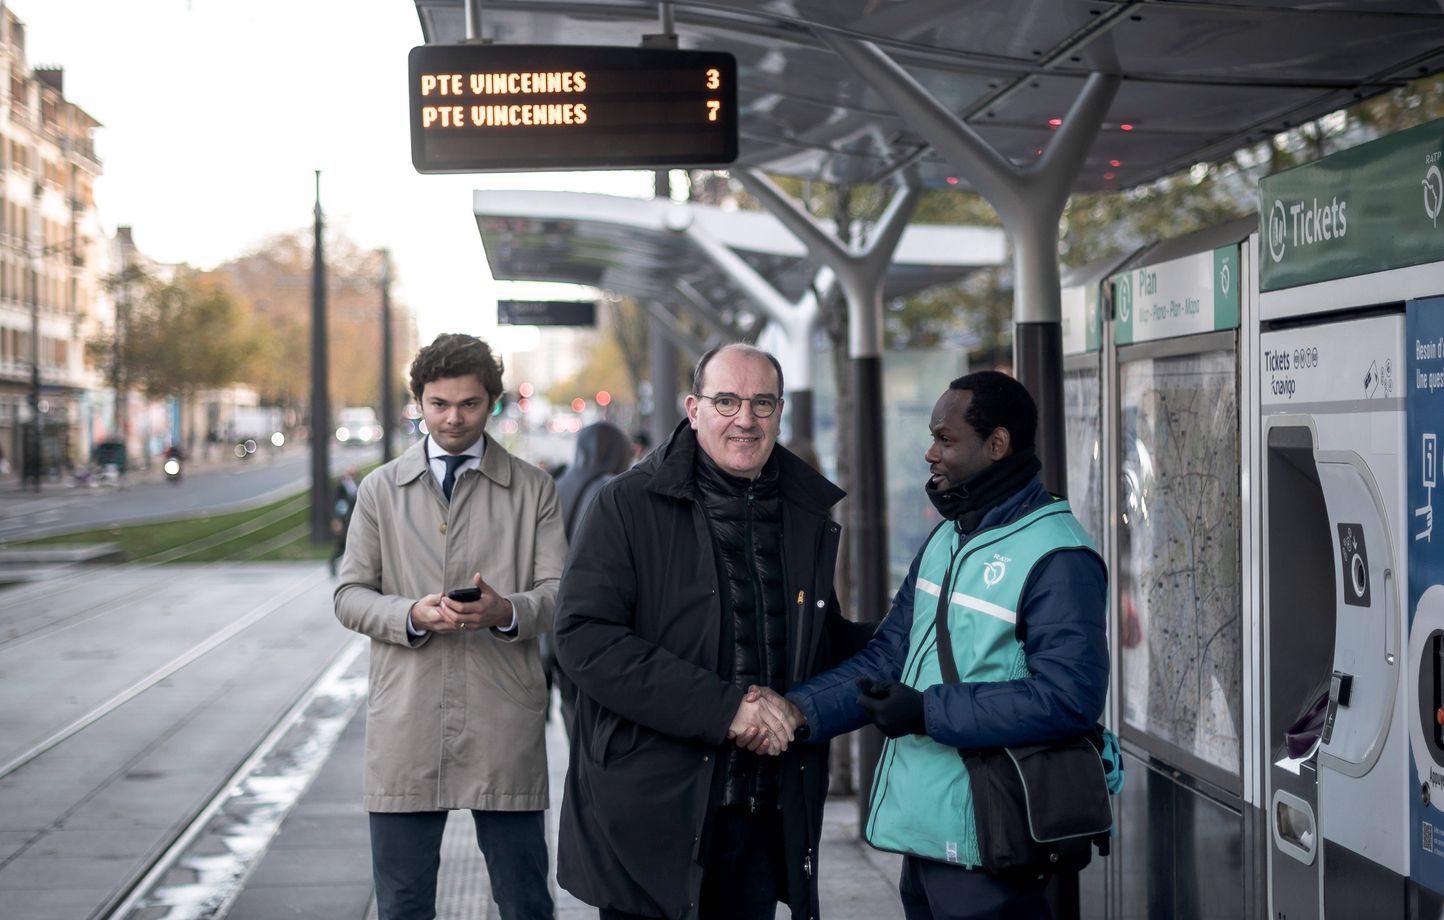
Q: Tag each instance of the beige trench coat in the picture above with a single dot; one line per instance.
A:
(454, 720)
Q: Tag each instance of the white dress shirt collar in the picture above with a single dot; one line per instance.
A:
(438, 466)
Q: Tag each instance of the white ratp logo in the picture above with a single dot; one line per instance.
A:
(1433, 184)
(1278, 229)
(1125, 298)
(993, 572)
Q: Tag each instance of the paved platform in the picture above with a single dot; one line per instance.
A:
(318, 866)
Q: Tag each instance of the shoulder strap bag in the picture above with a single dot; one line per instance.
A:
(1037, 808)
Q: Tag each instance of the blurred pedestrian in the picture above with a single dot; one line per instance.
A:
(641, 443)
(343, 503)
(451, 568)
(603, 451)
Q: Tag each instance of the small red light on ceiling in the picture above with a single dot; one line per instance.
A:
(1115, 163)
(1125, 127)
(952, 180)
(1055, 122)
(1109, 176)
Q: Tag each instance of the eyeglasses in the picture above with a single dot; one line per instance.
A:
(729, 404)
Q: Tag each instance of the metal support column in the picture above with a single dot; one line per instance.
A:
(320, 398)
(388, 382)
(472, 10)
(1029, 199)
(664, 383)
(33, 462)
(125, 244)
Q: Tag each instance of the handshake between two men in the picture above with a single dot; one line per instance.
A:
(767, 722)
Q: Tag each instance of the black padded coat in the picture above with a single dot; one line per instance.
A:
(638, 629)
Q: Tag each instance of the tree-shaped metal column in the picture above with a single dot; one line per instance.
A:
(1030, 201)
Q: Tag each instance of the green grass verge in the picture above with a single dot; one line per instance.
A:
(229, 536)
(275, 532)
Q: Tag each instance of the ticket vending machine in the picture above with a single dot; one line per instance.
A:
(1333, 522)
(1350, 372)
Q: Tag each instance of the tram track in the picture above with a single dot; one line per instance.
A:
(278, 731)
(135, 689)
(145, 893)
(19, 597)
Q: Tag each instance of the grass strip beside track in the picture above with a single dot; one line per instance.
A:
(276, 531)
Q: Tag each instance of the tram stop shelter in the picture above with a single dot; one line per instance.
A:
(1026, 102)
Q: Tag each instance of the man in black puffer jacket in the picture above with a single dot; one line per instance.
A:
(703, 571)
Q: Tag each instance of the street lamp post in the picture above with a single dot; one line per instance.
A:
(320, 403)
(388, 385)
(120, 418)
(31, 463)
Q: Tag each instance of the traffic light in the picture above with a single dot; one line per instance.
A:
(604, 398)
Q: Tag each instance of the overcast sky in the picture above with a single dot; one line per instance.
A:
(217, 112)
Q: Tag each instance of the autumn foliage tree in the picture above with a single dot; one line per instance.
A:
(272, 285)
(181, 336)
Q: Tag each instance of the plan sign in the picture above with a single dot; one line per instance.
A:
(1197, 293)
(507, 108)
(1367, 209)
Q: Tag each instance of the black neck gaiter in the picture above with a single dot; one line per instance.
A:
(967, 502)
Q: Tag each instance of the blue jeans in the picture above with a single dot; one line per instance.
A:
(406, 852)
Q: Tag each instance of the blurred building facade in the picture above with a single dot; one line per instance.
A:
(53, 256)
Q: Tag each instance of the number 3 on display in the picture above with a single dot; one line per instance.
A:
(714, 78)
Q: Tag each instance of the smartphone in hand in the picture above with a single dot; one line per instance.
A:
(467, 595)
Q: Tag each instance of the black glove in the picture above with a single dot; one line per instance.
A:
(896, 708)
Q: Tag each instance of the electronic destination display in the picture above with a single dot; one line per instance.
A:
(510, 108)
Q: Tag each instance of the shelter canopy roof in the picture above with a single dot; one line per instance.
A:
(642, 248)
(1201, 79)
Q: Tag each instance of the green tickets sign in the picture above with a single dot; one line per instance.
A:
(1192, 294)
(1368, 209)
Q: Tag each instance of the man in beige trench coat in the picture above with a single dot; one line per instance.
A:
(455, 716)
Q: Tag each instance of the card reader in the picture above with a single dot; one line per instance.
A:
(1341, 686)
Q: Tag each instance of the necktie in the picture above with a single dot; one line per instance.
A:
(453, 462)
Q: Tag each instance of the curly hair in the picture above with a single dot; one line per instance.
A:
(455, 354)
